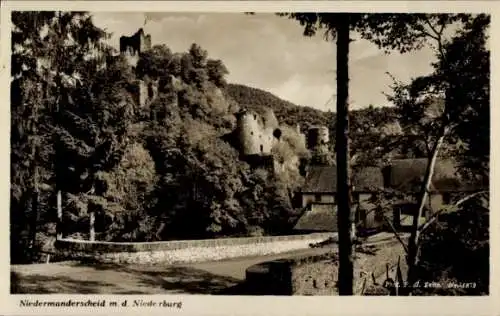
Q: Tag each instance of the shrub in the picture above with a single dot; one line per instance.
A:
(457, 252)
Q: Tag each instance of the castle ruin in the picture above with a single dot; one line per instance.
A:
(143, 91)
(257, 134)
(132, 46)
(318, 138)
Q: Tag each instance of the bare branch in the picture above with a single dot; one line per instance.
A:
(427, 142)
(438, 37)
(427, 34)
(368, 212)
(465, 199)
(441, 30)
(396, 234)
(449, 208)
(364, 286)
(438, 34)
(374, 280)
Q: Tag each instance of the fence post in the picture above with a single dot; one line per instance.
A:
(59, 234)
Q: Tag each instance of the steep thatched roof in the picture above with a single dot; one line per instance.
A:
(402, 174)
(320, 179)
(408, 175)
(318, 217)
(368, 179)
(323, 179)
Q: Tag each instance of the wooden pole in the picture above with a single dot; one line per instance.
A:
(59, 215)
(92, 223)
(346, 272)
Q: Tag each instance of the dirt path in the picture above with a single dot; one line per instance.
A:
(195, 278)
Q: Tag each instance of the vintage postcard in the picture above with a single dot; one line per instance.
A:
(244, 158)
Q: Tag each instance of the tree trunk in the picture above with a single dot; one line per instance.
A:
(92, 225)
(35, 188)
(345, 274)
(34, 223)
(413, 243)
(59, 234)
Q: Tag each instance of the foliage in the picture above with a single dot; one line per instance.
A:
(50, 52)
(401, 32)
(440, 105)
(164, 171)
(469, 57)
(457, 252)
(155, 63)
(455, 96)
(129, 185)
(203, 187)
(287, 113)
(375, 130)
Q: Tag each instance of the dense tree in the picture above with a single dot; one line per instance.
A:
(458, 93)
(387, 31)
(375, 131)
(286, 112)
(155, 62)
(50, 51)
(457, 251)
(202, 183)
(169, 172)
(401, 32)
(72, 113)
(217, 72)
(92, 131)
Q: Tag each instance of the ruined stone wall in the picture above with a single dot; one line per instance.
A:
(317, 274)
(145, 42)
(303, 137)
(132, 46)
(135, 44)
(317, 136)
(144, 92)
(257, 134)
(131, 59)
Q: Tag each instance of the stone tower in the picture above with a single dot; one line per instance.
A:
(256, 135)
(301, 135)
(143, 91)
(318, 137)
(132, 46)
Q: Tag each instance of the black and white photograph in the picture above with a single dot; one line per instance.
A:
(246, 153)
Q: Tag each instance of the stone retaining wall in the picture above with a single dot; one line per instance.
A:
(183, 251)
(317, 274)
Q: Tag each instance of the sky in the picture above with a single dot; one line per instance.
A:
(269, 52)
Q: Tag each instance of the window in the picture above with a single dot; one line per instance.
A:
(150, 91)
(446, 198)
(277, 133)
(424, 212)
(355, 196)
(386, 174)
(379, 215)
(261, 148)
(411, 209)
(360, 216)
(317, 197)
